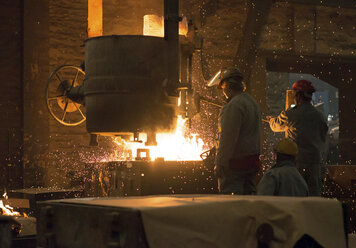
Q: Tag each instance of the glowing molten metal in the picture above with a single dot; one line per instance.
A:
(170, 146)
(153, 25)
(176, 146)
(6, 209)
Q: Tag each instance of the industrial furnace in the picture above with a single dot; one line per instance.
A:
(127, 88)
(127, 84)
(133, 88)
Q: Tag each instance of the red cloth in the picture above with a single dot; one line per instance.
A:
(248, 163)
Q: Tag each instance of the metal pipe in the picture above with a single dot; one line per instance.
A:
(171, 29)
(203, 99)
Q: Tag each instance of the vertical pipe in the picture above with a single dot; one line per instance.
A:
(183, 68)
(315, 28)
(183, 80)
(95, 18)
(171, 24)
(22, 92)
(190, 90)
(190, 68)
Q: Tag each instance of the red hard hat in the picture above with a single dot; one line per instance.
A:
(304, 86)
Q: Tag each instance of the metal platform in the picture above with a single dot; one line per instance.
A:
(140, 178)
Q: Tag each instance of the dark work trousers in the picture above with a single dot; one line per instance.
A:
(235, 182)
(311, 174)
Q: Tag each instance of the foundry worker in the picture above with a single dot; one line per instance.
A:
(237, 160)
(283, 179)
(308, 128)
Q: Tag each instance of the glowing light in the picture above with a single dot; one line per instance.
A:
(95, 18)
(173, 146)
(7, 210)
(176, 146)
(153, 25)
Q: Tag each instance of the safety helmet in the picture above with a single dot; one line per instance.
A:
(225, 74)
(304, 86)
(287, 146)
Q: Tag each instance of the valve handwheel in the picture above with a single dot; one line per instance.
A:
(60, 106)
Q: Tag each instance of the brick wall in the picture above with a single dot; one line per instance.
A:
(319, 41)
(291, 29)
(35, 71)
(11, 125)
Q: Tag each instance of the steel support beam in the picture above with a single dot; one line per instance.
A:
(171, 34)
(326, 3)
(249, 42)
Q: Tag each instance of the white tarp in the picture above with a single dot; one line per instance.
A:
(231, 221)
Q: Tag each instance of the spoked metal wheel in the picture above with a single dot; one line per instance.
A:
(60, 106)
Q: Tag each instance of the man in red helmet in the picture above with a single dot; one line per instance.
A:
(308, 128)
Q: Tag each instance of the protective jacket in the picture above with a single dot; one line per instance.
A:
(283, 179)
(307, 127)
(239, 130)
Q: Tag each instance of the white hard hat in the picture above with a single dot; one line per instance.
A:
(226, 74)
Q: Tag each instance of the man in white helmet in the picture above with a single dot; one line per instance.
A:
(237, 161)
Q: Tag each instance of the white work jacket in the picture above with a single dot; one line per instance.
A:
(239, 129)
(283, 179)
(307, 127)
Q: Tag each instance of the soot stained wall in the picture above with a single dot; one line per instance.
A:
(11, 100)
(53, 35)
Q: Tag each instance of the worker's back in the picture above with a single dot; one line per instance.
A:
(249, 136)
(308, 128)
(283, 179)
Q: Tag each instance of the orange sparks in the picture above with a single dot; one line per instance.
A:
(173, 146)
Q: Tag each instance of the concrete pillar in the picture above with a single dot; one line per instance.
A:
(36, 71)
(347, 114)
